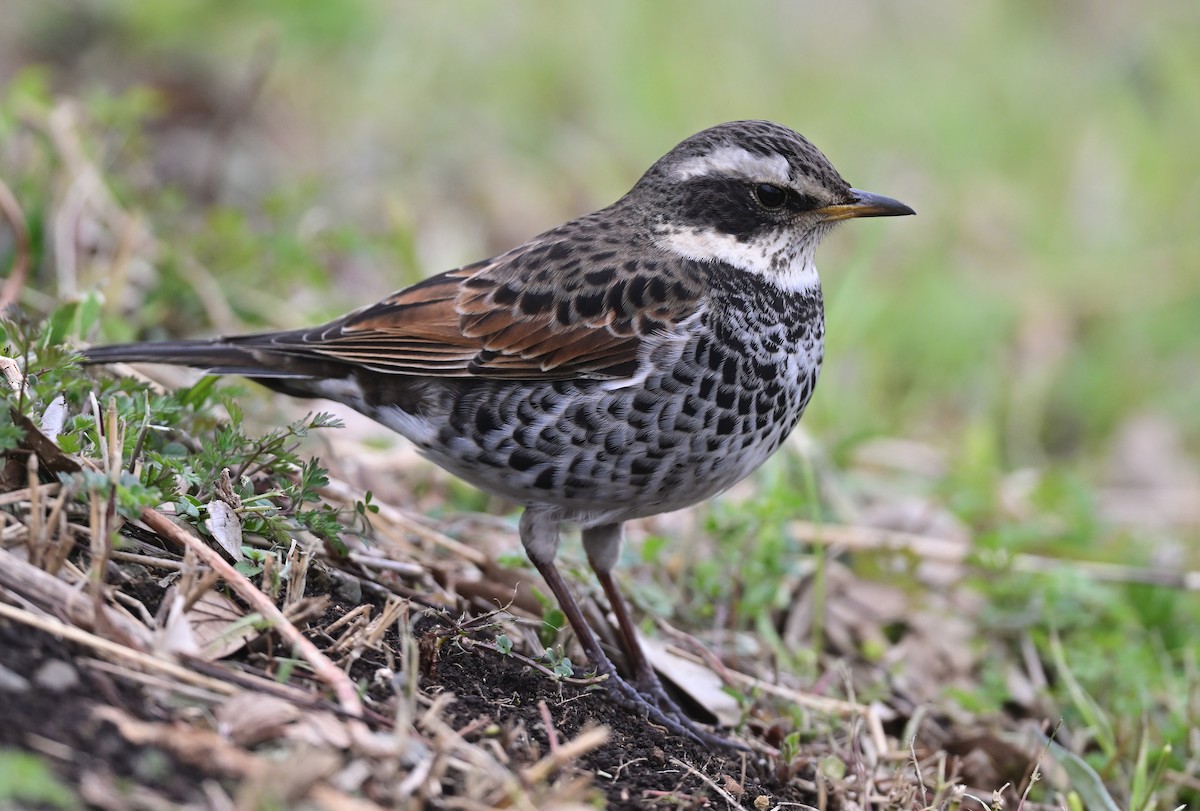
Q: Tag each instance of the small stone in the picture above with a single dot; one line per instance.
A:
(762, 802)
(12, 681)
(348, 590)
(56, 676)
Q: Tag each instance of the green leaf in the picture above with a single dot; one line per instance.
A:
(564, 668)
(26, 780)
(89, 312)
(197, 395)
(248, 567)
(1083, 777)
(58, 327)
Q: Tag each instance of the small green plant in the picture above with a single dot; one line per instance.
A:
(559, 662)
(26, 781)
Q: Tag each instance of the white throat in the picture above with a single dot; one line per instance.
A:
(781, 261)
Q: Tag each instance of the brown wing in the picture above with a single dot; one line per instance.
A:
(544, 310)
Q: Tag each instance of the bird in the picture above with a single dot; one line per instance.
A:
(633, 361)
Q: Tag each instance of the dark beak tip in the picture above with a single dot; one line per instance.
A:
(877, 205)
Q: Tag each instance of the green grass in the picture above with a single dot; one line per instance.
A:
(1045, 296)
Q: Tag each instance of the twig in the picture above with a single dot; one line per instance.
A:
(829, 706)
(324, 669)
(548, 722)
(114, 651)
(53, 595)
(468, 643)
(148, 560)
(575, 748)
(729, 798)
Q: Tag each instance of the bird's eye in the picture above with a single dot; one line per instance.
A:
(770, 196)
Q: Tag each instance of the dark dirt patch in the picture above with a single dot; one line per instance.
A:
(636, 768)
(495, 696)
(51, 710)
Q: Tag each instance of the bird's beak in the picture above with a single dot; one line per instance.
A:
(864, 204)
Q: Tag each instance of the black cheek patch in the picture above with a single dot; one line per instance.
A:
(725, 205)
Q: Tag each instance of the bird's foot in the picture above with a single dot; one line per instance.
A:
(656, 705)
(651, 688)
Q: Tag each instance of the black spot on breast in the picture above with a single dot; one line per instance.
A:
(643, 402)
(545, 479)
(729, 370)
(485, 420)
(725, 425)
(766, 371)
(577, 486)
(491, 460)
(526, 413)
(726, 396)
(716, 359)
(643, 467)
(522, 460)
(585, 420)
(706, 387)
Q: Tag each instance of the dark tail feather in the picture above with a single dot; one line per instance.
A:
(220, 357)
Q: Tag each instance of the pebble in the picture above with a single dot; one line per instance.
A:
(56, 676)
(12, 682)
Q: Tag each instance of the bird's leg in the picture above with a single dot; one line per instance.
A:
(603, 547)
(539, 534)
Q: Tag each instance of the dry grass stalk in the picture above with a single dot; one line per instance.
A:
(112, 651)
(48, 593)
(948, 551)
(324, 669)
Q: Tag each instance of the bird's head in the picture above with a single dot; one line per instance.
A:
(754, 195)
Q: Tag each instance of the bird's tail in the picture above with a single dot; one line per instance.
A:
(244, 356)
